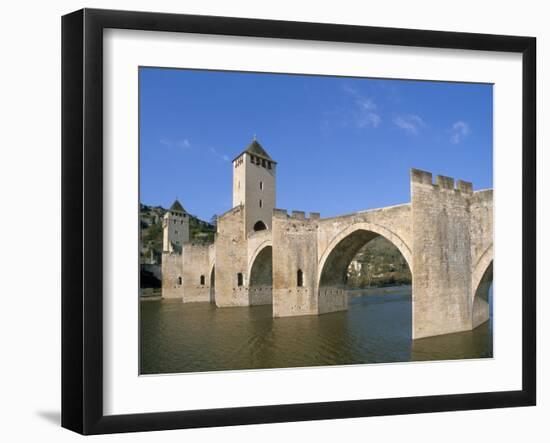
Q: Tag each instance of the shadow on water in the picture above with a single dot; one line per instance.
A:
(177, 337)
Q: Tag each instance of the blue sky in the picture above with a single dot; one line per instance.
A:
(342, 144)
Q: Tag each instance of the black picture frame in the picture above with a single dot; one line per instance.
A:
(82, 218)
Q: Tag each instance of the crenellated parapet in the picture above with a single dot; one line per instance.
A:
(442, 183)
(295, 215)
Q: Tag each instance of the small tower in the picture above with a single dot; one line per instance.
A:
(175, 225)
(254, 186)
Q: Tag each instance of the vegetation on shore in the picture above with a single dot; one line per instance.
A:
(150, 218)
(378, 263)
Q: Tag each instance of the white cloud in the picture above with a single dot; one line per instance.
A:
(223, 157)
(183, 143)
(368, 120)
(366, 104)
(411, 124)
(459, 131)
(365, 114)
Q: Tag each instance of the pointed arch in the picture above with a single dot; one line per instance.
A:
(355, 237)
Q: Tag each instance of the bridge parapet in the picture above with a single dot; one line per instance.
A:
(296, 215)
(442, 182)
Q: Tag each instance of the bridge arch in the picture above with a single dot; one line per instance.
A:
(482, 280)
(351, 239)
(335, 260)
(264, 244)
(480, 268)
(260, 275)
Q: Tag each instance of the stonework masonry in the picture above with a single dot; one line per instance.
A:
(298, 262)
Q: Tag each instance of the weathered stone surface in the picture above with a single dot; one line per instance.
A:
(172, 275)
(294, 251)
(441, 258)
(299, 262)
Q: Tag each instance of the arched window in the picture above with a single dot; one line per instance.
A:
(202, 280)
(179, 281)
(299, 278)
(240, 279)
(260, 226)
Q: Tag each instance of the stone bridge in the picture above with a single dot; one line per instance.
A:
(445, 234)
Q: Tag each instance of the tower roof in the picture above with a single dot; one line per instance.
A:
(176, 206)
(255, 148)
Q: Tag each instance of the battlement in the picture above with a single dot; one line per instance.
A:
(441, 182)
(296, 215)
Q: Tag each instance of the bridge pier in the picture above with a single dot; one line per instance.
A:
(441, 262)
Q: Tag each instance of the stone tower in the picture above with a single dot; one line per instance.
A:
(175, 227)
(254, 186)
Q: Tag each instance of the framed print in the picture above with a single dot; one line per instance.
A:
(269, 221)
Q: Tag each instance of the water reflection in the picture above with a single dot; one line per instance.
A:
(177, 337)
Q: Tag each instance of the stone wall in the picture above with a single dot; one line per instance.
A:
(441, 255)
(481, 226)
(332, 300)
(481, 231)
(294, 248)
(195, 269)
(231, 260)
(172, 271)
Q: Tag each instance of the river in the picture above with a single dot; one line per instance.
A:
(195, 337)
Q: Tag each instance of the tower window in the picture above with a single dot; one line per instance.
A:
(299, 278)
(179, 281)
(202, 280)
(268, 165)
(260, 203)
(261, 186)
(263, 163)
(260, 226)
(251, 159)
(240, 279)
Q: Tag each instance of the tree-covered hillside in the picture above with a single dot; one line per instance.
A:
(378, 263)
(151, 232)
